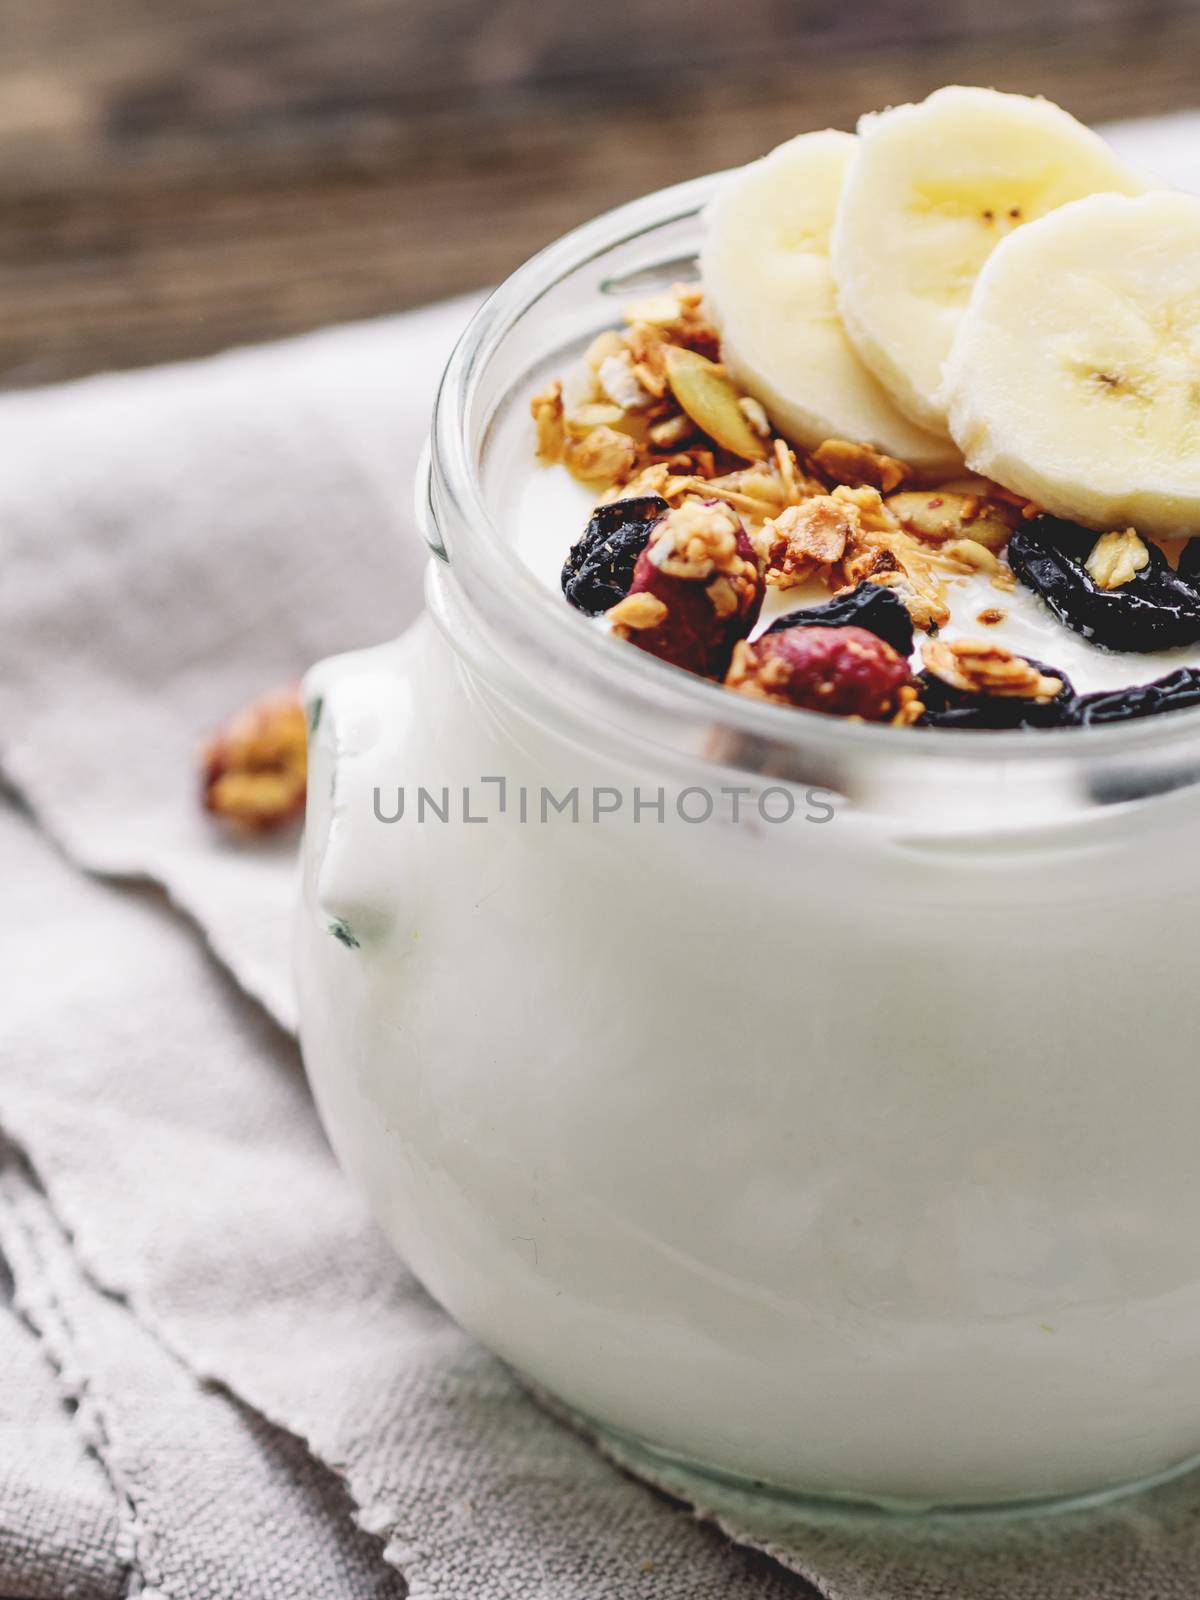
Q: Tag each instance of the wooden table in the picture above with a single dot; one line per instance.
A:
(181, 175)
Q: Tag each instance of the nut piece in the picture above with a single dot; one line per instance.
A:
(696, 540)
(845, 672)
(937, 515)
(972, 555)
(712, 402)
(884, 554)
(637, 611)
(1116, 558)
(671, 432)
(592, 414)
(924, 601)
(979, 666)
(696, 589)
(678, 316)
(806, 536)
(968, 555)
(659, 310)
(602, 456)
(546, 408)
(619, 381)
(755, 414)
(857, 464)
(255, 770)
(608, 343)
(872, 511)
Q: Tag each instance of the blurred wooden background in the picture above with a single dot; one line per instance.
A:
(180, 175)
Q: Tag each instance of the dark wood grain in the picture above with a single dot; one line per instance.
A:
(180, 175)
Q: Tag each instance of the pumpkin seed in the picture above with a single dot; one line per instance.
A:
(712, 402)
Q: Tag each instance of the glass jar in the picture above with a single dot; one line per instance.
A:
(810, 1104)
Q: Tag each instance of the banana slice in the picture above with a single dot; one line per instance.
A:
(1075, 374)
(935, 188)
(768, 286)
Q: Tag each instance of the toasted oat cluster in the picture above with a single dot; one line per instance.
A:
(702, 507)
(1116, 559)
(255, 769)
(980, 666)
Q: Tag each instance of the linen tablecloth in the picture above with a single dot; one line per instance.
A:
(215, 1377)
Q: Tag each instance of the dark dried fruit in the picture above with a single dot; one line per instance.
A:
(1189, 562)
(947, 707)
(1176, 692)
(697, 589)
(599, 569)
(845, 672)
(868, 606)
(1158, 609)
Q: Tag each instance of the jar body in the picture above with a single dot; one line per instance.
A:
(818, 1153)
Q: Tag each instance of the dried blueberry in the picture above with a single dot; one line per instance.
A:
(870, 606)
(947, 707)
(1176, 692)
(1157, 609)
(599, 569)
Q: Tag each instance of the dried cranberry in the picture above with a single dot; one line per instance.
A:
(1157, 609)
(599, 569)
(869, 606)
(844, 671)
(948, 707)
(697, 589)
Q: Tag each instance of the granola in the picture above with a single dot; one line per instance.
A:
(660, 420)
(1116, 558)
(254, 772)
(696, 591)
(602, 455)
(981, 666)
(942, 514)
(547, 410)
(806, 537)
(857, 464)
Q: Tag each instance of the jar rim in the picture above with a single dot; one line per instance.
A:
(485, 564)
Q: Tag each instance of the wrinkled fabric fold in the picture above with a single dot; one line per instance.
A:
(194, 1476)
(178, 1149)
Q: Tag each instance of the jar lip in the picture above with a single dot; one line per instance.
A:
(633, 676)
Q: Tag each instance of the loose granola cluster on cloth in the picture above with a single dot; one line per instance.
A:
(659, 422)
(255, 770)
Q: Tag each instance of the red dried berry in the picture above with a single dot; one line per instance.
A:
(697, 589)
(846, 672)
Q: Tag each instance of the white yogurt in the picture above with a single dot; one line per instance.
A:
(828, 1157)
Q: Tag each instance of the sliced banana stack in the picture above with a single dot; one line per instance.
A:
(1074, 377)
(769, 287)
(934, 190)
